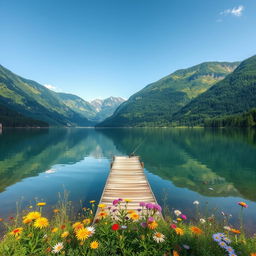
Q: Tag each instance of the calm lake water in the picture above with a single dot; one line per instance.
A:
(215, 167)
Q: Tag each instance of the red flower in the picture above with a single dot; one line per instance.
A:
(115, 227)
(173, 226)
(62, 226)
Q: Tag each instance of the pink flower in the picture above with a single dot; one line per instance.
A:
(142, 204)
(115, 202)
(183, 216)
(173, 226)
(149, 206)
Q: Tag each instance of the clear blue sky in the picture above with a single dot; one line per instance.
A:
(116, 47)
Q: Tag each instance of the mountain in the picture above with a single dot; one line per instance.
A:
(233, 95)
(156, 103)
(106, 107)
(35, 101)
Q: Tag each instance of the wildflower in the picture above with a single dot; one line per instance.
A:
(149, 206)
(115, 227)
(179, 231)
(216, 237)
(115, 202)
(56, 210)
(177, 212)
(185, 246)
(179, 219)
(127, 200)
(27, 220)
(41, 222)
(62, 226)
(120, 199)
(102, 206)
(94, 245)
(65, 234)
(229, 249)
(1, 219)
(87, 221)
(91, 231)
(196, 202)
(202, 220)
(173, 226)
(253, 254)
(183, 216)
(16, 232)
(77, 225)
(92, 202)
(152, 225)
(151, 219)
(235, 231)
(103, 214)
(33, 215)
(84, 208)
(196, 230)
(142, 204)
(175, 253)
(157, 207)
(82, 234)
(158, 237)
(57, 248)
(41, 204)
(222, 244)
(227, 228)
(54, 230)
(134, 216)
(243, 204)
(143, 224)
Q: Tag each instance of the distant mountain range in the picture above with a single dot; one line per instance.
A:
(193, 96)
(25, 102)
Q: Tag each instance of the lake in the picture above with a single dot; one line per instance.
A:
(215, 167)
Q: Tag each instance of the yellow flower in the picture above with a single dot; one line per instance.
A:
(77, 225)
(82, 234)
(41, 204)
(94, 245)
(84, 208)
(26, 220)
(152, 225)
(87, 221)
(127, 200)
(179, 219)
(196, 230)
(54, 230)
(65, 234)
(102, 206)
(179, 231)
(41, 223)
(16, 232)
(134, 216)
(30, 207)
(33, 215)
(92, 201)
(130, 211)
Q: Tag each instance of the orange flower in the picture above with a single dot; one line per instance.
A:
(175, 253)
(1, 219)
(78, 225)
(253, 254)
(152, 225)
(196, 230)
(16, 232)
(56, 210)
(103, 214)
(235, 231)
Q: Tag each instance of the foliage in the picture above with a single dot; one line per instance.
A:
(120, 231)
(156, 103)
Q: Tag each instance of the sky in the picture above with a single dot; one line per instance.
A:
(102, 48)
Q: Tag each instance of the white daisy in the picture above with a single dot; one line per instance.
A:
(91, 229)
(57, 248)
(196, 202)
(177, 212)
(202, 221)
(158, 237)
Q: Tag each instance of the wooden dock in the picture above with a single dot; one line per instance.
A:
(127, 180)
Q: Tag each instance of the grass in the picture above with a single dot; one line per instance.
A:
(119, 231)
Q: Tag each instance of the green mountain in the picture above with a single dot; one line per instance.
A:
(35, 101)
(233, 95)
(11, 118)
(156, 103)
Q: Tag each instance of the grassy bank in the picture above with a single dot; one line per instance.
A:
(118, 231)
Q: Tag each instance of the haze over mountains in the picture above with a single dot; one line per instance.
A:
(194, 96)
(25, 102)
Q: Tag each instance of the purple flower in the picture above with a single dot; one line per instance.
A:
(143, 224)
(139, 210)
(183, 216)
(149, 206)
(115, 202)
(157, 207)
(120, 199)
(142, 204)
(151, 219)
